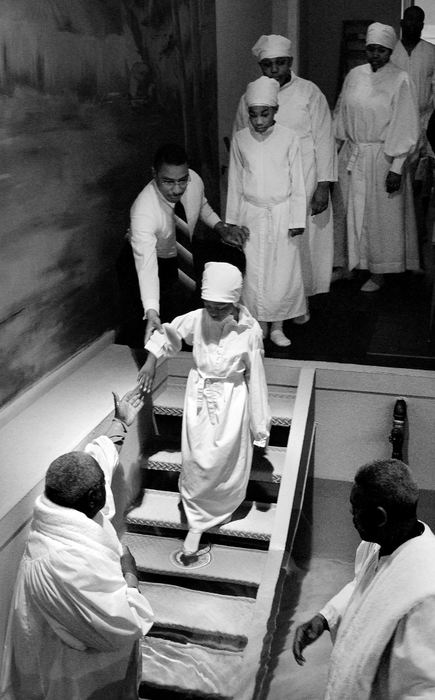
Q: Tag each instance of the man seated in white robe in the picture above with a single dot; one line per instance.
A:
(77, 613)
(383, 622)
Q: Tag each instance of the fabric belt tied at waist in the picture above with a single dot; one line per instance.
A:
(210, 391)
(356, 151)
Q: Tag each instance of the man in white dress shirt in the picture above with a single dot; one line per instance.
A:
(156, 219)
(383, 622)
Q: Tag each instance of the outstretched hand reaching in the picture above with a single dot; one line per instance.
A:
(127, 407)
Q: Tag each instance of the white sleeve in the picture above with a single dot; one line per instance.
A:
(143, 238)
(105, 453)
(323, 137)
(259, 411)
(235, 183)
(412, 660)
(298, 197)
(334, 609)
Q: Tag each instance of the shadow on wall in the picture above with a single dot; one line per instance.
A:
(76, 148)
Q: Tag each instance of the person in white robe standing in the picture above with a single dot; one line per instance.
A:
(417, 57)
(382, 623)
(266, 193)
(376, 122)
(303, 108)
(77, 613)
(226, 405)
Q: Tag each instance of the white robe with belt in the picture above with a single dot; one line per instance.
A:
(225, 409)
(377, 119)
(74, 623)
(303, 108)
(266, 193)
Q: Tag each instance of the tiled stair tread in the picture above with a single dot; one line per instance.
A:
(160, 508)
(193, 669)
(175, 606)
(264, 468)
(237, 565)
(170, 402)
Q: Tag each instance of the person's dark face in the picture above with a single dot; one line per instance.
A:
(377, 55)
(412, 24)
(277, 68)
(218, 310)
(364, 515)
(261, 117)
(172, 181)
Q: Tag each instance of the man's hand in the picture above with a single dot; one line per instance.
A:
(393, 182)
(146, 373)
(320, 198)
(295, 232)
(153, 324)
(127, 408)
(232, 235)
(307, 634)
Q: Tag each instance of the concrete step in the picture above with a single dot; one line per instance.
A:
(240, 565)
(205, 618)
(170, 401)
(265, 467)
(193, 672)
(161, 509)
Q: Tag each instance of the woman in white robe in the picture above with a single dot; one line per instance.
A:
(226, 401)
(377, 122)
(266, 193)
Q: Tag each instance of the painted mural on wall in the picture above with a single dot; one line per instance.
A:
(88, 90)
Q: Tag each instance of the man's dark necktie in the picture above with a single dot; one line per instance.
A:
(184, 246)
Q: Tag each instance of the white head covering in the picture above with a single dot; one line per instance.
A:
(221, 282)
(381, 34)
(263, 91)
(271, 46)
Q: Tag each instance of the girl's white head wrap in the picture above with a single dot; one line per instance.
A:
(221, 282)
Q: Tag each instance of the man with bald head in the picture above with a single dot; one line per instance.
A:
(304, 109)
(77, 613)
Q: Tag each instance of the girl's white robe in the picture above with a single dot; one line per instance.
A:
(304, 109)
(266, 193)
(225, 409)
(376, 117)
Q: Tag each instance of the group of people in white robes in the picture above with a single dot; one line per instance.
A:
(376, 129)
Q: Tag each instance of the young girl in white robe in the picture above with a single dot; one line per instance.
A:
(266, 193)
(226, 405)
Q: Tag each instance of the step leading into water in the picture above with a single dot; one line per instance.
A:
(206, 618)
(170, 401)
(265, 467)
(194, 671)
(161, 509)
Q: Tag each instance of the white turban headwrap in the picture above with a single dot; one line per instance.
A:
(263, 91)
(381, 34)
(221, 282)
(271, 46)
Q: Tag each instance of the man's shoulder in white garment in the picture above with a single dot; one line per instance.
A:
(146, 200)
(298, 85)
(195, 183)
